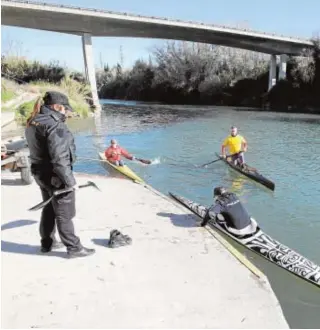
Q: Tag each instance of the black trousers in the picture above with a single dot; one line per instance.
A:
(57, 214)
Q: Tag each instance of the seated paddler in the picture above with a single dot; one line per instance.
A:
(229, 212)
(114, 152)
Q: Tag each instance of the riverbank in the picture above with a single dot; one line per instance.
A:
(194, 74)
(23, 96)
(167, 278)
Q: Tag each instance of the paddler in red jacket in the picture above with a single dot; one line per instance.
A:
(114, 153)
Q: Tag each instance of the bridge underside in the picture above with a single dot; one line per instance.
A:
(108, 25)
(87, 23)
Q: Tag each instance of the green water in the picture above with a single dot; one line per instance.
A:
(284, 147)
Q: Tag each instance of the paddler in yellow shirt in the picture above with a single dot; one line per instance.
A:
(236, 145)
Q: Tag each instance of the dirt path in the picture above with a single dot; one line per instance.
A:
(17, 101)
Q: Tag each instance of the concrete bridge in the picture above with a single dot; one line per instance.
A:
(101, 23)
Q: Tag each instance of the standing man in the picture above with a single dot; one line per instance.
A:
(236, 144)
(114, 152)
(52, 154)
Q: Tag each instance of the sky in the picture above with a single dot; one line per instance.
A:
(287, 17)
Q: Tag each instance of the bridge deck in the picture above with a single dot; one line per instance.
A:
(76, 20)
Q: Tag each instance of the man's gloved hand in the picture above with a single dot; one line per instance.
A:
(224, 156)
(75, 187)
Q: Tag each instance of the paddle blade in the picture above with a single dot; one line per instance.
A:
(144, 161)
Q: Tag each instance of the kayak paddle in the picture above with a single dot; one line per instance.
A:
(59, 192)
(144, 161)
(216, 160)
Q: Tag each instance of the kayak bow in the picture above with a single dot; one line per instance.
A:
(124, 170)
(263, 245)
(250, 173)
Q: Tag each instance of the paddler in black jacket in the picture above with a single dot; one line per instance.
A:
(52, 154)
(229, 212)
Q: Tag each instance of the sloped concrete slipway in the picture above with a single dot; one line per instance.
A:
(173, 275)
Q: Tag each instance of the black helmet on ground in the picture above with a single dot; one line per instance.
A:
(219, 191)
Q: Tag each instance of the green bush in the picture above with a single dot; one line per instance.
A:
(82, 109)
(24, 71)
(39, 78)
(23, 112)
(76, 91)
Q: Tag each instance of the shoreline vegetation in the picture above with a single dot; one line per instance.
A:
(20, 97)
(176, 73)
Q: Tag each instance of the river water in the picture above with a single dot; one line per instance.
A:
(284, 147)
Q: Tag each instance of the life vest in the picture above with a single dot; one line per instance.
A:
(235, 215)
(114, 154)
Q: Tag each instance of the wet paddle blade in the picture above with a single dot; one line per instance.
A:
(144, 161)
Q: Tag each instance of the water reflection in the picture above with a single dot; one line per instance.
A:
(144, 116)
(237, 185)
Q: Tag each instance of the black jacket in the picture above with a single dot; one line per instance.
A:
(234, 213)
(51, 145)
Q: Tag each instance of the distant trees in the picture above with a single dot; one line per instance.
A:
(192, 73)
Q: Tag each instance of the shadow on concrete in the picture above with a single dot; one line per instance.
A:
(180, 220)
(12, 182)
(101, 241)
(17, 223)
(11, 247)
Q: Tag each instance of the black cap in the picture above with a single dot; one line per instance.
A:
(219, 191)
(53, 97)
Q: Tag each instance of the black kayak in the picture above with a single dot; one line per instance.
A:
(263, 245)
(250, 173)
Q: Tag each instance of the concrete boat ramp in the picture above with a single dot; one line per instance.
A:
(174, 275)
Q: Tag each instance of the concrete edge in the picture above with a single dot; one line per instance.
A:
(259, 276)
(88, 175)
(241, 258)
(266, 287)
(244, 260)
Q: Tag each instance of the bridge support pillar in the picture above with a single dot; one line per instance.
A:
(283, 67)
(272, 71)
(90, 70)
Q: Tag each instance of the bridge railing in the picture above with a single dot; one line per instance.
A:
(157, 18)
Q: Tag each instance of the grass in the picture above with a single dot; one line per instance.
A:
(76, 92)
(7, 95)
(25, 109)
